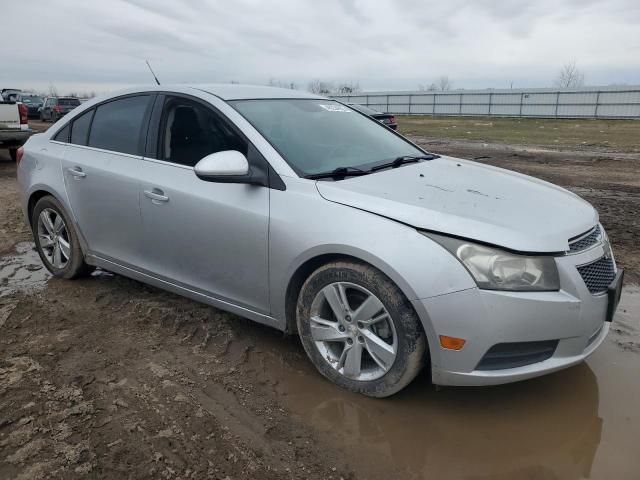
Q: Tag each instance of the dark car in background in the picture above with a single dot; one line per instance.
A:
(32, 102)
(57, 107)
(386, 118)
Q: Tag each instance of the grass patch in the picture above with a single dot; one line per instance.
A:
(617, 135)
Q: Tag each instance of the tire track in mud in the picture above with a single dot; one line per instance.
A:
(120, 379)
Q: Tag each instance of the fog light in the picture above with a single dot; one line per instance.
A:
(452, 343)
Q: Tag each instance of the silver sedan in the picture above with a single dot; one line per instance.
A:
(301, 213)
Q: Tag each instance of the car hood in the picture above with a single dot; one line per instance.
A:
(470, 200)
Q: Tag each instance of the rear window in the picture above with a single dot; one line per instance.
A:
(71, 102)
(117, 125)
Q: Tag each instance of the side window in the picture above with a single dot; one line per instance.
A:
(117, 125)
(62, 135)
(80, 128)
(190, 131)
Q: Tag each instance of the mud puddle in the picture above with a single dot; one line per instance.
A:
(22, 270)
(583, 422)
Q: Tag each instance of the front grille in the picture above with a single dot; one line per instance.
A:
(598, 275)
(517, 354)
(586, 240)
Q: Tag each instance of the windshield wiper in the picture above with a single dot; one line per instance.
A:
(339, 172)
(404, 159)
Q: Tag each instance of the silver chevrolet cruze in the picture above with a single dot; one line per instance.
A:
(300, 213)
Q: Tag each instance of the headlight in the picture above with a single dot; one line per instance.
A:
(495, 269)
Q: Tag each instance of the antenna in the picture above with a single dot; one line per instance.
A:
(152, 73)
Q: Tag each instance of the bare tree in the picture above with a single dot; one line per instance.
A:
(319, 87)
(570, 76)
(280, 84)
(432, 87)
(348, 88)
(444, 83)
(53, 91)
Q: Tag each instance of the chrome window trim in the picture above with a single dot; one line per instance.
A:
(169, 164)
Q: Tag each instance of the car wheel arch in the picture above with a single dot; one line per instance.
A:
(33, 199)
(307, 267)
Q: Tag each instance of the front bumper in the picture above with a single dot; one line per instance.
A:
(572, 316)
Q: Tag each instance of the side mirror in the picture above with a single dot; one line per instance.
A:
(221, 166)
(230, 166)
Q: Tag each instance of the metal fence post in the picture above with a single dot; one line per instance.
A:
(490, 99)
(410, 97)
(433, 104)
(521, 101)
(387, 110)
(460, 105)
(595, 113)
(557, 102)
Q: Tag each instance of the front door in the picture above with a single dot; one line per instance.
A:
(209, 237)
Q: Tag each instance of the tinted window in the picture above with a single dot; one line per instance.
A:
(80, 128)
(192, 131)
(63, 135)
(117, 125)
(71, 102)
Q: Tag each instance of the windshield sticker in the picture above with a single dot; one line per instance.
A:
(332, 107)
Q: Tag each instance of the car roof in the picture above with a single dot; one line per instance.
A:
(223, 91)
(245, 92)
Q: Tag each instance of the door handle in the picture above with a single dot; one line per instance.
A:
(156, 195)
(77, 172)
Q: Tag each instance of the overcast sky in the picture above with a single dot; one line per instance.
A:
(382, 44)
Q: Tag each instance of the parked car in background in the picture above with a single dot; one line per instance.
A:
(9, 94)
(298, 212)
(388, 119)
(32, 102)
(14, 126)
(55, 108)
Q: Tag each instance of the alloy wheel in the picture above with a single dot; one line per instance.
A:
(54, 238)
(353, 331)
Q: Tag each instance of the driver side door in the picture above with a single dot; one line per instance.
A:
(211, 238)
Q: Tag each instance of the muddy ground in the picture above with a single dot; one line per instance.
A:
(108, 378)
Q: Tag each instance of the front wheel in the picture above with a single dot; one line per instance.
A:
(359, 330)
(56, 240)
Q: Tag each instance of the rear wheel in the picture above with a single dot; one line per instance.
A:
(359, 330)
(13, 153)
(56, 240)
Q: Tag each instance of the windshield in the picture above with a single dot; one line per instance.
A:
(316, 136)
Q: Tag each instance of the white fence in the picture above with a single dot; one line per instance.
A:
(604, 102)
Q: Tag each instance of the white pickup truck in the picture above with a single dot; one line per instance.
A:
(14, 126)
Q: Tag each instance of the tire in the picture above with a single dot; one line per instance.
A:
(41, 117)
(13, 153)
(373, 375)
(74, 266)
(54, 117)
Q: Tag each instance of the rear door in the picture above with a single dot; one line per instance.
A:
(209, 237)
(102, 167)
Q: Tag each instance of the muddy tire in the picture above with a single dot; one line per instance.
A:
(57, 240)
(359, 330)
